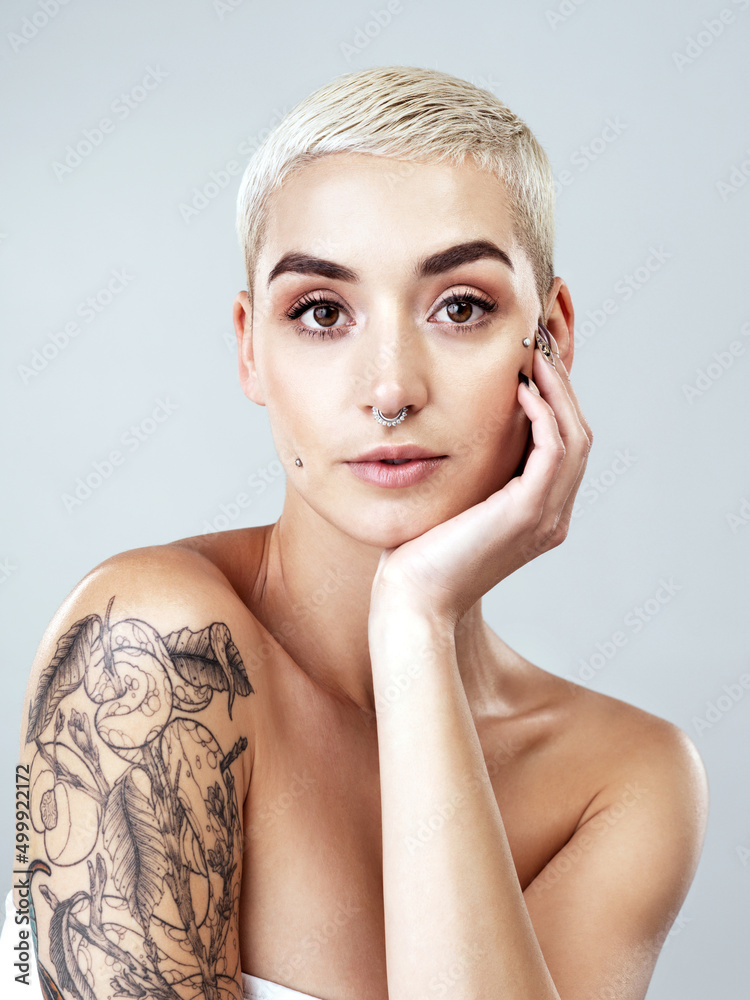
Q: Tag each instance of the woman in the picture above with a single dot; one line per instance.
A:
(293, 759)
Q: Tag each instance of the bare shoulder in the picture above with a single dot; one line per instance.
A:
(168, 582)
(171, 593)
(641, 754)
(137, 741)
(626, 729)
(603, 905)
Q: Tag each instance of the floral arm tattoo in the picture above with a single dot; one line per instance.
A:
(161, 838)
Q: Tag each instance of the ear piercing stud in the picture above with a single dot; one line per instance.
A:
(297, 461)
(543, 342)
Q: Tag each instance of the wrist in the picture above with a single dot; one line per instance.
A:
(399, 628)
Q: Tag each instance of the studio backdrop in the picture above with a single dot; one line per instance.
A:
(126, 128)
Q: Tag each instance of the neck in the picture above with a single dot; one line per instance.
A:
(312, 593)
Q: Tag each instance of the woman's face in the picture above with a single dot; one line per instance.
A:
(357, 318)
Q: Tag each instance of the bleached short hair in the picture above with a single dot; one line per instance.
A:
(410, 113)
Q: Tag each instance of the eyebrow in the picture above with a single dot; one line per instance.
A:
(437, 263)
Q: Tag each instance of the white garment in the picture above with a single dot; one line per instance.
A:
(9, 939)
(253, 987)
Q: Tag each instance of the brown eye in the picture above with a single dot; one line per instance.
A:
(459, 308)
(460, 311)
(326, 315)
(320, 316)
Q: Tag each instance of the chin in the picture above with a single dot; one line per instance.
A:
(386, 525)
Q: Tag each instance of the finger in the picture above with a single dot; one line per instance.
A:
(551, 510)
(567, 512)
(554, 384)
(544, 458)
(568, 502)
(565, 376)
(574, 436)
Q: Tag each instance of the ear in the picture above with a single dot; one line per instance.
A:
(560, 319)
(243, 328)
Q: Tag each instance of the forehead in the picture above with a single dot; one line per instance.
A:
(358, 204)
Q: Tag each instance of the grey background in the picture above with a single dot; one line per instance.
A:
(227, 74)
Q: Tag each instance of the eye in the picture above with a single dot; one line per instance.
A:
(322, 309)
(459, 307)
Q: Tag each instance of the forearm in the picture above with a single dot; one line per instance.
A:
(454, 910)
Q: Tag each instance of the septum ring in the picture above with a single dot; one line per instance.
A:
(390, 421)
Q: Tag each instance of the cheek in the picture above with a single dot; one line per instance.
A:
(493, 425)
(486, 401)
(302, 414)
(289, 389)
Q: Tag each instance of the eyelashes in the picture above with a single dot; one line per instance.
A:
(311, 299)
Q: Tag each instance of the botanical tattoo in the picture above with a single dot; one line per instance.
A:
(161, 842)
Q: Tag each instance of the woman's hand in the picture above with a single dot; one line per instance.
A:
(444, 571)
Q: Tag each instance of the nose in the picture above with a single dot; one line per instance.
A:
(392, 368)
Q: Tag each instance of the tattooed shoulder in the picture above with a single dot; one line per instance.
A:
(135, 750)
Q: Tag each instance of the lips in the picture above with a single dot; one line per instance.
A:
(396, 454)
(396, 467)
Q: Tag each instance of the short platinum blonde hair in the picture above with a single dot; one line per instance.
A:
(408, 113)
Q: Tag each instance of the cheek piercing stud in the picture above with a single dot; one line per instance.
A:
(526, 342)
(297, 461)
